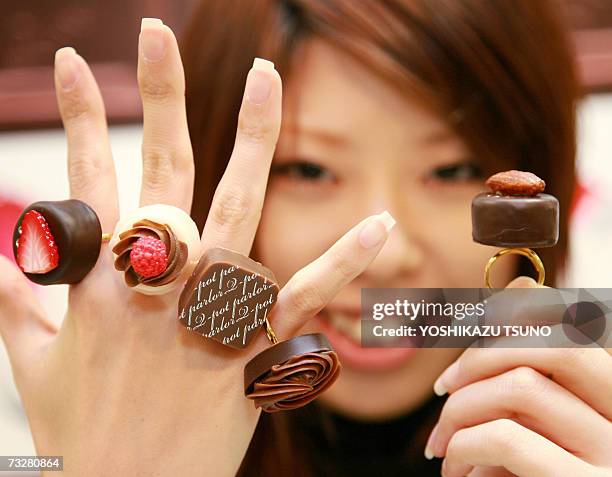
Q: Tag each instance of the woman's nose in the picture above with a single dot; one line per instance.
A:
(400, 258)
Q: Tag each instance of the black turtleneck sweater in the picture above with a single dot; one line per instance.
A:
(314, 442)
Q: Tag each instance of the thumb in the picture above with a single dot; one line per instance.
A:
(23, 325)
(523, 282)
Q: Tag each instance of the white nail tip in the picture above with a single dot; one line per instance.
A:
(439, 388)
(263, 65)
(66, 49)
(150, 22)
(387, 219)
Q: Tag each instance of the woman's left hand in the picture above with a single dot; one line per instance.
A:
(530, 412)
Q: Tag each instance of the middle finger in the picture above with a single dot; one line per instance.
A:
(236, 207)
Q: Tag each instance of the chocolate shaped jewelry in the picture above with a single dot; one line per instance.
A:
(517, 216)
(156, 247)
(229, 298)
(57, 242)
(291, 373)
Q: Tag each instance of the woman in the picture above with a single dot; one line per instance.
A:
(397, 106)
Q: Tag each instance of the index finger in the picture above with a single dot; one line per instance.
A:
(236, 207)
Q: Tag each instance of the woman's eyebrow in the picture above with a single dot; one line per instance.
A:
(325, 136)
(441, 136)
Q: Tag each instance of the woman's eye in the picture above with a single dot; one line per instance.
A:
(464, 171)
(301, 170)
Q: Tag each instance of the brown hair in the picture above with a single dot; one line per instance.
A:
(501, 72)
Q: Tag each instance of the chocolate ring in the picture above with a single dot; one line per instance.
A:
(228, 297)
(515, 213)
(57, 242)
(291, 373)
(517, 216)
(156, 248)
(516, 222)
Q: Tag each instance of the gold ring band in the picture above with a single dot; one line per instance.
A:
(270, 333)
(106, 237)
(525, 252)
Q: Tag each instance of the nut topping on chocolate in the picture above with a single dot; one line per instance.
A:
(516, 183)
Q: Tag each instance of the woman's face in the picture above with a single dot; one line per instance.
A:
(351, 146)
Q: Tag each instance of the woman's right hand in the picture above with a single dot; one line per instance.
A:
(122, 388)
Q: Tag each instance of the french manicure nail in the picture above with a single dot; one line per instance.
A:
(152, 39)
(67, 68)
(429, 446)
(439, 388)
(150, 22)
(259, 81)
(376, 230)
(428, 453)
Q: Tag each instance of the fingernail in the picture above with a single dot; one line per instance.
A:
(259, 81)
(66, 68)
(429, 446)
(439, 387)
(376, 230)
(152, 39)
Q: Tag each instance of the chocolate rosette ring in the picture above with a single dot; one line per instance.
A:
(291, 373)
(156, 247)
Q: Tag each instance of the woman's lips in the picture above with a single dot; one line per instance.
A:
(344, 333)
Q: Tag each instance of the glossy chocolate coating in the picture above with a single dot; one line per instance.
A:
(515, 221)
(228, 297)
(78, 235)
(261, 363)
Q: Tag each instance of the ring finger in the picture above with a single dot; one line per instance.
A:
(167, 158)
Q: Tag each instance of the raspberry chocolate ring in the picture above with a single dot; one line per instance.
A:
(517, 216)
(57, 242)
(156, 247)
(229, 298)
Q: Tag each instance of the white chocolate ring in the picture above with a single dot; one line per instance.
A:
(180, 235)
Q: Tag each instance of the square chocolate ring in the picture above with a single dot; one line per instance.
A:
(228, 297)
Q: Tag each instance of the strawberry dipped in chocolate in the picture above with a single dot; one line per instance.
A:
(57, 242)
(36, 248)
